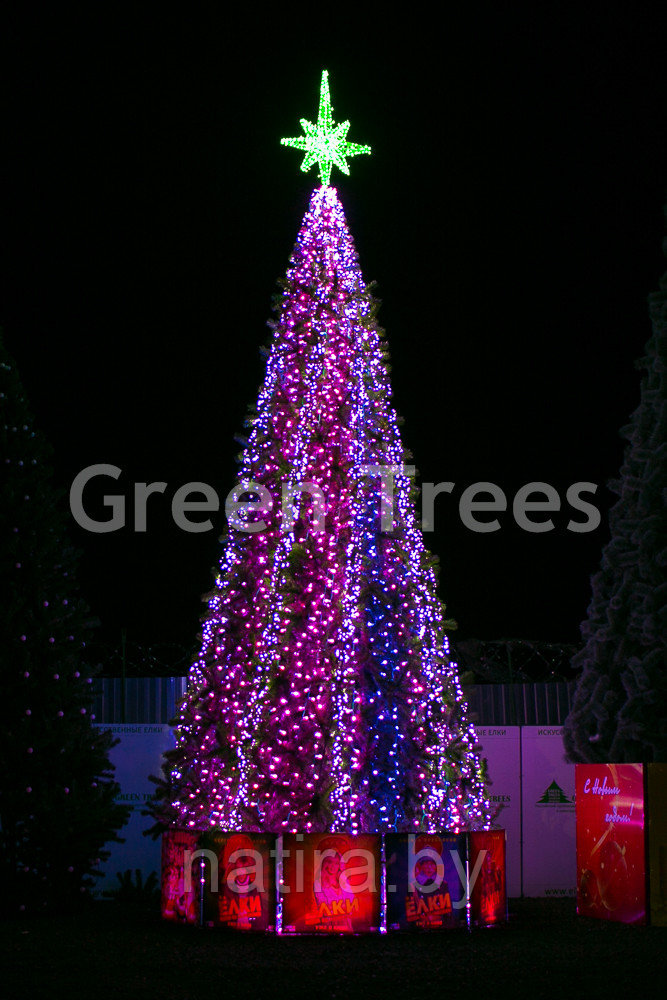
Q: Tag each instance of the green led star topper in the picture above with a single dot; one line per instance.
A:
(325, 143)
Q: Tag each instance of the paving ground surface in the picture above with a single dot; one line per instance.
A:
(545, 950)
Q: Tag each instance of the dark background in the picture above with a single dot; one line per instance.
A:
(511, 214)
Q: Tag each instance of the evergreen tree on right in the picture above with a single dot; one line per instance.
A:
(619, 711)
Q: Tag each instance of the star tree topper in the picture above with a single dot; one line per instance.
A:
(325, 143)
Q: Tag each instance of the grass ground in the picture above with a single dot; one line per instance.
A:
(544, 951)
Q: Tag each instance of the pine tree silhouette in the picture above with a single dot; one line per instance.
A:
(618, 714)
(57, 791)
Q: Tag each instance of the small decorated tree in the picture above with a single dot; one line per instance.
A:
(324, 697)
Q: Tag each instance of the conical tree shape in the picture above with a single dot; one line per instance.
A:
(618, 714)
(57, 793)
(323, 697)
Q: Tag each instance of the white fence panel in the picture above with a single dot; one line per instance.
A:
(549, 837)
(501, 747)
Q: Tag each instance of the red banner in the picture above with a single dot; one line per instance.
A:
(611, 857)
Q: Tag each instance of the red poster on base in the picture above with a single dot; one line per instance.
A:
(241, 895)
(486, 867)
(179, 892)
(426, 881)
(330, 883)
(611, 857)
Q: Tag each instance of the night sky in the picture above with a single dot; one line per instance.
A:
(511, 215)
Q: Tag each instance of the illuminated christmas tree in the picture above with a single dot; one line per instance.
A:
(323, 697)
